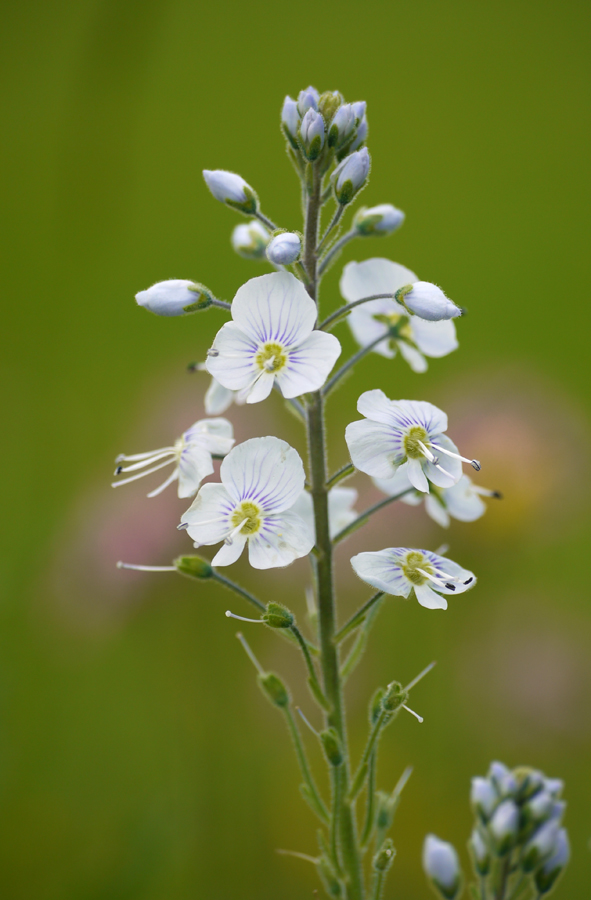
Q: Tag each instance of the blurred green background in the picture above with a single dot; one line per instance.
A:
(138, 758)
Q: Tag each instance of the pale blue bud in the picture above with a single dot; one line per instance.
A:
(361, 135)
(554, 786)
(250, 240)
(351, 175)
(503, 826)
(549, 871)
(558, 809)
(307, 99)
(342, 126)
(540, 846)
(539, 808)
(312, 134)
(284, 249)
(507, 783)
(359, 108)
(497, 770)
(484, 797)
(442, 866)
(175, 297)
(377, 220)
(231, 189)
(480, 852)
(290, 121)
(429, 302)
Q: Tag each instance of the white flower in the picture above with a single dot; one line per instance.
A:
(284, 249)
(377, 220)
(232, 189)
(312, 130)
(250, 240)
(340, 508)
(404, 436)
(290, 120)
(272, 337)
(350, 175)
(428, 301)
(218, 398)
(461, 501)
(261, 480)
(442, 866)
(398, 570)
(416, 338)
(175, 297)
(191, 455)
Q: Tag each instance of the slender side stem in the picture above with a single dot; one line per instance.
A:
(376, 888)
(345, 310)
(262, 218)
(358, 647)
(338, 215)
(361, 773)
(370, 806)
(344, 472)
(358, 618)
(223, 304)
(362, 517)
(346, 367)
(232, 586)
(295, 404)
(503, 879)
(313, 678)
(335, 250)
(315, 799)
(483, 888)
(337, 799)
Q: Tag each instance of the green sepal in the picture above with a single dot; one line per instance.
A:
(311, 801)
(329, 877)
(248, 206)
(328, 103)
(203, 300)
(193, 567)
(346, 193)
(375, 706)
(278, 616)
(272, 686)
(394, 697)
(316, 692)
(401, 294)
(332, 746)
(384, 857)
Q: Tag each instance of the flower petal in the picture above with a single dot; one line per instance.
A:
(229, 553)
(217, 398)
(261, 388)
(265, 470)
(308, 364)
(282, 539)
(416, 360)
(462, 501)
(437, 511)
(215, 435)
(366, 329)
(451, 465)
(233, 365)
(408, 413)
(446, 568)
(428, 598)
(382, 570)
(374, 276)
(274, 307)
(398, 483)
(375, 448)
(434, 339)
(416, 476)
(211, 503)
(195, 464)
(376, 406)
(340, 508)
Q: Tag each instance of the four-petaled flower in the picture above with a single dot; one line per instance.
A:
(407, 436)
(191, 455)
(341, 501)
(272, 337)
(261, 480)
(462, 501)
(414, 337)
(399, 570)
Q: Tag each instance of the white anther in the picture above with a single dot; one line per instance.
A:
(231, 615)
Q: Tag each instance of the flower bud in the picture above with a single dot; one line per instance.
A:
(538, 809)
(329, 877)
(554, 786)
(193, 566)
(307, 99)
(539, 847)
(377, 220)
(394, 697)
(429, 302)
(546, 876)
(290, 121)
(328, 103)
(277, 616)
(384, 857)
(342, 126)
(442, 866)
(231, 189)
(529, 782)
(250, 240)
(284, 248)
(175, 297)
(362, 128)
(359, 108)
(273, 687)
(503, 826)
(332, 746)
(312, 134)
(350, 176)
(484, 797)
(508, 786)
(496, 771)
(480, 852)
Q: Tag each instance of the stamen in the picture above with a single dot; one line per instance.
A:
(132, 457)
(206, 522)
(442, 550)
(310, 726)
(172, 477)
(196, 367)
(250, 654)
(438, 581)
(232, 534)
(153, 457)
(441, 469)
(412, 712)
(232, 615)
(484, 492)
(166, 462)
(212, 352)
(421, 675)
(123, 565)
(473, 462)
(269, 364)
(432, 459)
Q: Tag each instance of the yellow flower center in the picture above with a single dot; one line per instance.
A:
(414, 561)
(411, 442)
(271, 357)
(250, 514)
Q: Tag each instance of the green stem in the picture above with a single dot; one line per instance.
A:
(358, 618)
(345, 310)
(370, 806)
(503, 879)
(337, 799)
(346, 367)
(335, 250)
(316, 800)
(262, 218)
(364, 516)
(313, 678)
(376, 888)
(340, 475)
(232, 586)
(295, 404)
(222, 304)
(332, 225)
(362, 771)
(360, 643)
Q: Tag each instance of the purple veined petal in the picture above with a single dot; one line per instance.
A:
(410, 413)
(309, 364)
(195, 464)
(416, 476)
(383, 571)
(261, 388)
(282, 539)
(233, 362)
(215, 435)
(274, 307)
(374, 276)
(229, 553)
(374, 448)
(208, 517)
(304, 508)
(445, 568)
(266, 471)
(429, 598)
(434, 339)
